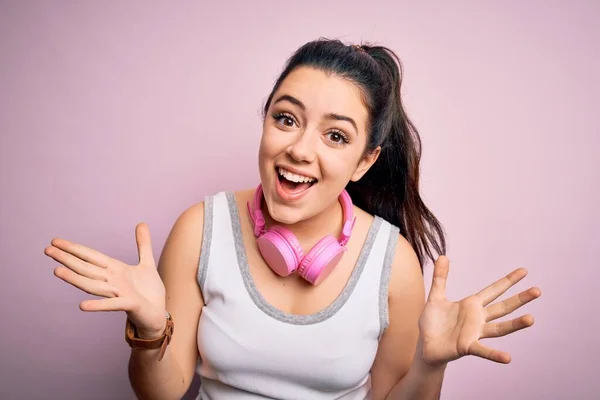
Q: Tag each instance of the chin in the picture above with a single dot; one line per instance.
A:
(283, 213)
(285, 219)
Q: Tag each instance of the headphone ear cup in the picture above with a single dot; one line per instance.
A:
(321, 259)
(281, 250)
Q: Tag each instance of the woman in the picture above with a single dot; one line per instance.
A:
(309, 286)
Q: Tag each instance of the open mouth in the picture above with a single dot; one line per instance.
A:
(293, 183)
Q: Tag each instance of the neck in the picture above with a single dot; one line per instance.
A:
(311, 230)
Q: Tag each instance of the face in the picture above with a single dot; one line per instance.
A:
(313, 144)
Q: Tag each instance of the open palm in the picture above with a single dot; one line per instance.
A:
(450, 330)
(135, 289)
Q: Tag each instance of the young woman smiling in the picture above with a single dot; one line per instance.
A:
(310, 285)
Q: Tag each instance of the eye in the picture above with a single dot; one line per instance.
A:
(338, 137)
(284, 119)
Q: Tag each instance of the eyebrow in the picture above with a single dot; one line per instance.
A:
(330, 116)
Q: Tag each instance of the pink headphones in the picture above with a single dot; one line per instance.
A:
(282, 252)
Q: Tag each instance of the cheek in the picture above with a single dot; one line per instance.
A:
(340, 165)
(336, 170)
(273, 142)
(266, 144)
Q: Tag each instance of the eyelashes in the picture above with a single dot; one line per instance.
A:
(341, 137)
(340, 134)
(278, 116)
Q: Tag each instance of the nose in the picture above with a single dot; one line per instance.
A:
(304, 148)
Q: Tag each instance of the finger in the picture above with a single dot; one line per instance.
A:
(107, 304)
(76, 264)
(493, 291)
(144, 244)
(91, 286)
(84, 253)
(497, 329)
(509, 305)
(480, 350)
(440, 275)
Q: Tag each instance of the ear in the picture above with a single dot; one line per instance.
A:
(365, 163)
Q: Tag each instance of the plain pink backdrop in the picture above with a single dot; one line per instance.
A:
(112, 113)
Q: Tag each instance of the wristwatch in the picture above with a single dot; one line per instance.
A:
(161, 342)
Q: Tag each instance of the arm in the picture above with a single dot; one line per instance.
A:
(396, 372)
(171, 377)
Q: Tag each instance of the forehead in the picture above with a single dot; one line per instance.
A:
(324, 93)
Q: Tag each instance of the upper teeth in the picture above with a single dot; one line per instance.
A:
(294, 177)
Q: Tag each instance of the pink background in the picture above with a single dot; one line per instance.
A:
(113, 113)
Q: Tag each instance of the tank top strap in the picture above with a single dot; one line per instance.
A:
(372, 287)
(390, 236)
(217, 243)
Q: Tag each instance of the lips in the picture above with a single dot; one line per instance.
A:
(294, 175)
(291, 186)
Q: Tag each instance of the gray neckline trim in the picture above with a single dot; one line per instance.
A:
(206, 240)
(275, 313)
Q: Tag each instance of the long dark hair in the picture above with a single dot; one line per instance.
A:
(390, 189)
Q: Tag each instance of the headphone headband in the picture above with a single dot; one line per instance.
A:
(258, 219)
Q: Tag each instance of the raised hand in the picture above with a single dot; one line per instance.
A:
(137, 290)
(450, 330)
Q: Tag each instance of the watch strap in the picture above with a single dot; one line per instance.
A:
(160, 342)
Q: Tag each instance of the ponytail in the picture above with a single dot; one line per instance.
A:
(390, 188)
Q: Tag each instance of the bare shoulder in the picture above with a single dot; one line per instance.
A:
(189, 224)
(179, 258)
(406, 278)
(185, 238)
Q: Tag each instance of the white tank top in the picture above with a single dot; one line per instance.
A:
(252, 350)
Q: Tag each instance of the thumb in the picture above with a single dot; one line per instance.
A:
(440, 275)
(144, 244)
